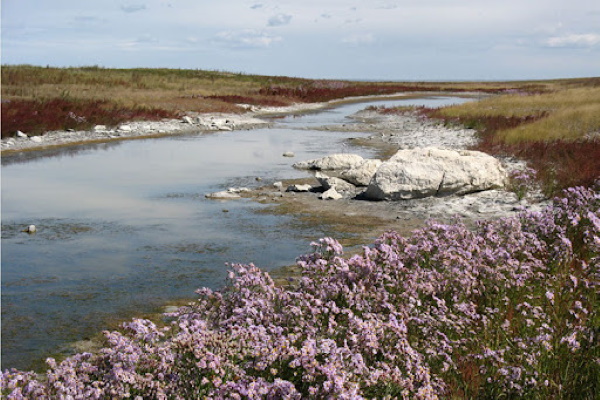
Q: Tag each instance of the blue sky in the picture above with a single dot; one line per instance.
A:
(346, 39)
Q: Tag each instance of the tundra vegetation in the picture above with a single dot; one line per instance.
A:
(38, 99)
(506, 310)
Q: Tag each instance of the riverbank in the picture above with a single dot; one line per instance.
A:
(255, 117)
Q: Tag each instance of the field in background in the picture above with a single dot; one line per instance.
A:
(38, 99)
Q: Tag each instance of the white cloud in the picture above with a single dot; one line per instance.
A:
(574, 40)
(247, 38)
(359, 39)
(131, 8)
(279, 20)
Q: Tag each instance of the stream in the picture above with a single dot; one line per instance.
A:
(124, 227)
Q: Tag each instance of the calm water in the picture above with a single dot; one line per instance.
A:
(124, 228)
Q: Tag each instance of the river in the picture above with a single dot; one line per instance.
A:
(124, 227)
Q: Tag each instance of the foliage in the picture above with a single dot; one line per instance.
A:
(509, 309)
(38, 117)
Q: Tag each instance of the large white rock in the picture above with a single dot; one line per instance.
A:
(362, 174)
(333, 162)
(424, 172)
(36, 139)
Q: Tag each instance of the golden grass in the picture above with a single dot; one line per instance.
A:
(565, 113)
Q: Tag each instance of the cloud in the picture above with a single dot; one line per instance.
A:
(247, 38)
(131, 8)
(280, 20)
(574, 40)
(359, 39)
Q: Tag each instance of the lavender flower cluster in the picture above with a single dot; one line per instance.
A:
(506, 309)
(521, 181)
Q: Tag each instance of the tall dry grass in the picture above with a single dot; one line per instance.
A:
(563, 114)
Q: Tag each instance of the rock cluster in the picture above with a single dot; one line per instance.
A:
(409, 174)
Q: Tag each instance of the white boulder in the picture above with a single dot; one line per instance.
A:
(424, 172)
(20, 134)
(187, 120)
(329, 182)
(299, 188)
(331, 194)
(125, 128)
(223, 195)
(333, 162)
(289, 154)
(362, 174)
(30, 229)
(100, 128)
(36, 139)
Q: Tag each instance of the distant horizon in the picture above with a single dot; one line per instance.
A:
(382, 40)
(296, 77)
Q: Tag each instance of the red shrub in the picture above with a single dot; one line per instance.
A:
(39, 116)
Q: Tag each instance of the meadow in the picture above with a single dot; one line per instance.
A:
(38, 99)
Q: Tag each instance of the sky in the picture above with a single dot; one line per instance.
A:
(330, 39)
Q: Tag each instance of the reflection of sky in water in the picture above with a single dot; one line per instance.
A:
(126, 229)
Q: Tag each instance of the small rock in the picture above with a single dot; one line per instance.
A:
(187, 120)
(258, 179)
(20, 134)
(238, 190)
(30, 229)
(338, 184)
(289, 154)
(278, 185)
(100, 128)
(36, 139)
(225, 210)
(224, 195)
(125, 128)
(332, 162)
(331, 194)
(299, 188)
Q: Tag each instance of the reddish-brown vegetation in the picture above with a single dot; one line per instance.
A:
(36, 116)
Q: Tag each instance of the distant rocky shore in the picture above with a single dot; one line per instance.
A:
(139, 129)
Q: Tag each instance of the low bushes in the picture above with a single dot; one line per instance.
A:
(508, 309)
(38, 116)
